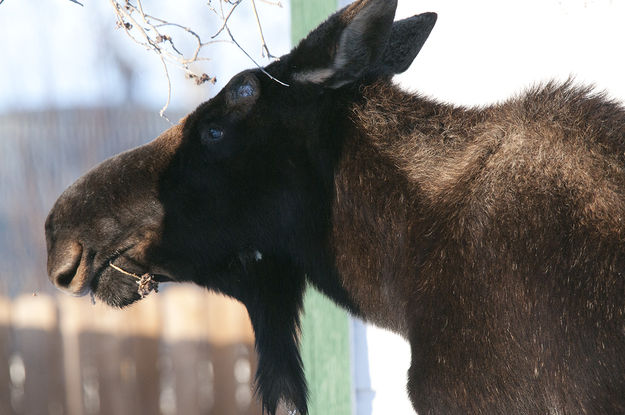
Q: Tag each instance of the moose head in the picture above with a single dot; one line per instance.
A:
(238, 196)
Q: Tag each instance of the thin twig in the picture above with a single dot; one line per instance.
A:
(243, 50)
(162, 111)
(225, 19)
(145, 282)
(262, 36)
(252, 59)
(130, 274)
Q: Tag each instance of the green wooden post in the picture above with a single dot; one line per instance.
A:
(325, 327)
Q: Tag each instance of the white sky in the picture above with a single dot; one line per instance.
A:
(486, 50)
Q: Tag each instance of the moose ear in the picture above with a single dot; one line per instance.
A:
(353, 41)
(407, 39)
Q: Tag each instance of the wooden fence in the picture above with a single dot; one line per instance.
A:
(181, 351)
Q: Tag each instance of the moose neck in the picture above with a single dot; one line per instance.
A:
(382, 202)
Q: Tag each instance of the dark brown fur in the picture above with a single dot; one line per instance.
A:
(491, 239)
(512, 219)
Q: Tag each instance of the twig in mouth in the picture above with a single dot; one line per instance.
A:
(145, 282)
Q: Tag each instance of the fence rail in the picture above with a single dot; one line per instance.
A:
(181, 351)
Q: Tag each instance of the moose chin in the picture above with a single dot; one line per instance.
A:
(491, 239)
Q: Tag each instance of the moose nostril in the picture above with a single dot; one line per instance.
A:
(65, 266)
(65, 277)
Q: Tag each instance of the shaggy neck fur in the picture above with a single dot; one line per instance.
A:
(453, 219)
(413, 170)
(398, 143)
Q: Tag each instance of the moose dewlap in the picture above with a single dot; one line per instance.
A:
(492, 239)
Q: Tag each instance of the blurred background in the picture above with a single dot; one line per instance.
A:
(74, 90)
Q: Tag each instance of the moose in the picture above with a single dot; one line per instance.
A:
(492, 239)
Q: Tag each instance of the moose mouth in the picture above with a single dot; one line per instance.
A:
(118, 280)
(119, 287)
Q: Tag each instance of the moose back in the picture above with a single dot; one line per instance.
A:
(492, 239)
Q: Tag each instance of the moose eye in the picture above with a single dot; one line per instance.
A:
(212, 134)
(245, 90)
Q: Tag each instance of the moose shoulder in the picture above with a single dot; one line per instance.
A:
(491, 239)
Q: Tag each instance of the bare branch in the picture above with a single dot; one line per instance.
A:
(252, 59)
(162, 111)
(225, 26)
(226, 18)
(143, 29)
(151, 33)
(260, 29)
